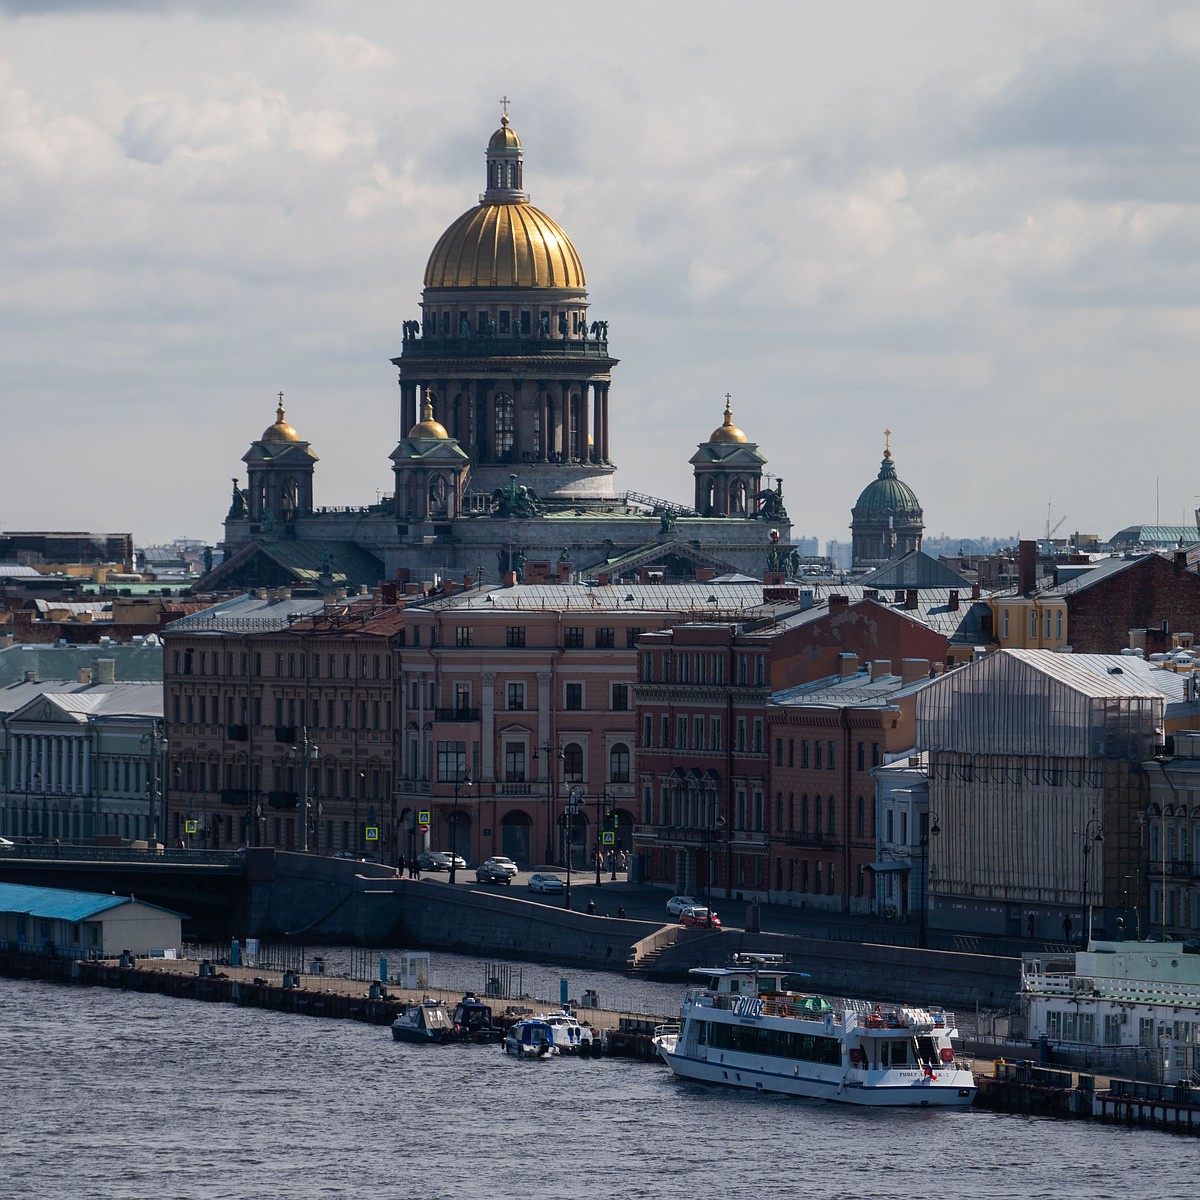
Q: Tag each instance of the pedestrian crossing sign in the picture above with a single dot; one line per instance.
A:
(423, 817)
(607, 838)
(372, 833)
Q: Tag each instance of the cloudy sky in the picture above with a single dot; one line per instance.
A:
(974, 224)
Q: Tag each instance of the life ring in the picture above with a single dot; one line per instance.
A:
(783, 1011)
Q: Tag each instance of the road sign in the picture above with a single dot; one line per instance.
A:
(607, 838)
(423, 819)
(191, 826)
(424, 828)
(372, 833)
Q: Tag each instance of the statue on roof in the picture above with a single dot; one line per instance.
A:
(239, 507)
(515, 500)
(666, 520)
(770, 503)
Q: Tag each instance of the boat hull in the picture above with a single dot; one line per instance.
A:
(953, 1088)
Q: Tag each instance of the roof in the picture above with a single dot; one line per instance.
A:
(141, 660)
(854, 691)
(963, 625)
(709, 597)
(248, 613)
(914, 570)
(1155, 535)
(77, 701)
(58, 904)
(302, 561)
(1101, 676)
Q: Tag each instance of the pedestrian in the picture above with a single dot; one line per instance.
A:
(621, 911)
(414, 872)
(57, 847)
(400, 864)
(1067, 927)
(591, 908)
(1029, 924)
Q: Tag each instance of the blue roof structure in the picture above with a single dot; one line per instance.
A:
(57, 904)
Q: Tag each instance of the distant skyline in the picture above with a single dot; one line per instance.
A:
(974, 225)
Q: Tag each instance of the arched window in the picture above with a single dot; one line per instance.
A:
(618, 764)
(572, 770)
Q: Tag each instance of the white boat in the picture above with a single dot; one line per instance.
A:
(743, 1027)
(531, 1038)
(571, 1036)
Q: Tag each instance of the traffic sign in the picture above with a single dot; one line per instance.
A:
(372, 833)
(191, 826)
(425, 828)
(607, 838)
(423, 819)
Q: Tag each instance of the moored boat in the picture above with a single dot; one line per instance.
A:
(473, 1021)
(531, 1038)
(425, 1022)
(744, 1027)
(571, 1036)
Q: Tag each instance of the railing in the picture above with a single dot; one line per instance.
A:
(1129, 991)
(517, 789)
(456, 714)
(47, 852)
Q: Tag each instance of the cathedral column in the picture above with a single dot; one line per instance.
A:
(598, 423)
(543, 400)
(488, 438)
(408, 407)
(584, 422)
(605, 425)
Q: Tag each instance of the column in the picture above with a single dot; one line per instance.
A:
(584, 422)
(544, 423)
(544, 679)
(487, 727)
(605, 423)
(598, 454)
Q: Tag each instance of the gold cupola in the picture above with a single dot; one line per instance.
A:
(281, 431)
(727, 431)
(427, 427)
(504, 241)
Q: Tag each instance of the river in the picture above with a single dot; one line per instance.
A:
(121, 1095)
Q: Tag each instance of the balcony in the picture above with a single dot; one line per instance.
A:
(282, 800)
(238, 733)
(456, 714)
(235, 796)
(529, 788)
(485, 346)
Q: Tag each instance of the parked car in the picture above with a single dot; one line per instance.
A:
(699, 916)
(546, 883)
(440, 860)
(5, 844)
(497, 869)
(677, 904)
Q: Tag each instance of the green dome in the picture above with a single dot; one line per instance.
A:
(888, 495)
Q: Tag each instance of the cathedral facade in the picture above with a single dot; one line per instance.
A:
(505, 381)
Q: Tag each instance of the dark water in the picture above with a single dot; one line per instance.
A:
(113, 1094)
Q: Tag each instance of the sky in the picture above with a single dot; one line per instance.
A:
(972, 224)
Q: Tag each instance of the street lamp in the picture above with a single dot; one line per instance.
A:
(551, 753)
(463, 776)
(153, 741)
(572, 811)
(304, 749)
(710, 833)
(932, 829)
(1093, 831)
(600, 797)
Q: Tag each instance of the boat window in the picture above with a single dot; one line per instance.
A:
(927, 1052)
(899, 1053)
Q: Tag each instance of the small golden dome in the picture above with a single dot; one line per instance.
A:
(504, 245)
(504, 138)
(727, 431)
(281, 431)
(427, 427)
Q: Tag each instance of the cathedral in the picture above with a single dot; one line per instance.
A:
(505, 471)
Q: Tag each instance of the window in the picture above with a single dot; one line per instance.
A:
(620, 697)
(452, 761)
(514, 762)
(573, 696)
(779, 752)
(515, 700)
(833, 756)
(697, 733)
(817, 755)
(464, 635)
(515, 635)
(647, 730)
(605, 638)
(741, 733)
(572, 763)
(804, 753)
(681, 740)
(758, 735)
(714, 729)
(573, 636)
(861, 762)
(631, 636)
(618, 764)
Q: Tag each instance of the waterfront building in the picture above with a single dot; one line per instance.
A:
(507, 410)
(1166, 882)
(81, 758)
(902, 832)
(1036, 776)
(272, 698)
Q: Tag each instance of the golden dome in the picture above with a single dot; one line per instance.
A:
(504, 245)
(281, 431)
(427, 427)
(727, 431)
(504, 138)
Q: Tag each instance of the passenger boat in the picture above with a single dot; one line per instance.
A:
(571, 1036)
(531, 1038)
(743, 1027)
(425, 1022)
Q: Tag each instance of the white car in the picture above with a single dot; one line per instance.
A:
(677, 904)
(546, 883)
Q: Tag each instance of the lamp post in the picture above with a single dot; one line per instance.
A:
(1093, 831)
(551, 753)
(304, 749)
(153, 741)
(572, 811)
(463, 776)
(600, 798)
(932, 829)
(710, 833)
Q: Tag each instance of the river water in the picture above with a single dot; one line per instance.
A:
(120, 1095)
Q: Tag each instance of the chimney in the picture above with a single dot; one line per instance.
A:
(30, 677)
(85, 674)
(912, 669)
(106, 670)
(870, 593)
(1026, 567)
(1181, 560)
(564, 572)
(974, 591)
(881, 667)
(847, 665)
(899, 596)
(952, 603)
(705, 574)
(837, 600)
(910, 598)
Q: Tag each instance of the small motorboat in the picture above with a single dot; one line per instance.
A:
(473, 1021)
(425, 1022)
(531, 1038)
(571, 1036)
